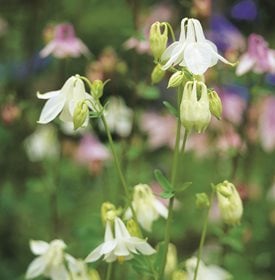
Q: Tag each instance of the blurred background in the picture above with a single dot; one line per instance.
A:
(53, 180)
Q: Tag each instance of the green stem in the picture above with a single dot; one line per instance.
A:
(109, 271)
(119, 171)
(173, 180)
(203, 234)
(171, 31)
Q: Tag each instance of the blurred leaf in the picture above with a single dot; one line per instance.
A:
(163, 181)
(172, 110)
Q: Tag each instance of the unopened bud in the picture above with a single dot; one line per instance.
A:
(93, 275)
(158, 39)
(97, 88)
(179, 275)
(230, 203)
(176, 79)
(108, 211)
(80, 115)
(215, 104)
(133, 228)
(202, 200)
(157, 74)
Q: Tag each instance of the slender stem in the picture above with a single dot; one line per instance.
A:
(109, 271)
(119, 171)
(173, 180)
(203, 234)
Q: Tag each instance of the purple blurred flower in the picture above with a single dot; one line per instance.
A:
(267, 124)
(65, 43)
(244, 10)
(225, 35)
(258, 57)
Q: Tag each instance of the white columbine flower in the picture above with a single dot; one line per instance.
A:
(211, 272)
(146, 206)
(192, 49)
(78, 268)
(120, 245)
(64, 101)
(50, 260)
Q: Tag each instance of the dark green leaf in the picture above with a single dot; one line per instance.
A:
(172, 110)
(167, 194)
(163, 181)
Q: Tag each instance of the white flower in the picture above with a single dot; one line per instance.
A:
(118, 116)
(78, 268)
(211, 272)
(50, 260)
(120, 245)
(192, 49)
(42, 144)
(146, 206)
(64, 101)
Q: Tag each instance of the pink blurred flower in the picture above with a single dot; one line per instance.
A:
(199, 144)
(10, 112)
(267, 124)
(258, 57)
(161, 129)
(92, 153)
(65, 43)
(233, 106)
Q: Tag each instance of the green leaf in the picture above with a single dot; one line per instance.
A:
(167, 194)
(183, 187)
(159, 255)
(142, 265)
(171, 109)
(163, 181)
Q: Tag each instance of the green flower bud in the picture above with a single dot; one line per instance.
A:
(81, 113)
(194, 109)
(108, 211)
(93, 275)
(230, 203)
(157, 74)
(202, 200)
(158, 39)
(215, 104)
(133, 228)
(176, 79)
(97, 88)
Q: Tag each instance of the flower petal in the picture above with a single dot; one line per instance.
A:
(108, 247)
(173, 53)
(36, 267)
(59, 272)
(47, 95)
(161, 209)
(245, 64)
(39, 247)
(48, 49)
(108, 232)
(121, 248)
(121, 231)
(52, 108)
(95, 254)
(142, 246)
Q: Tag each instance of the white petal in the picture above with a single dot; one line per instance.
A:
(108, 247)
(197, 58)
(190, 35)
(52, 108)
(108, 232)
(48, 49)
(120, 229)
(39, 247)
(36, 267)
(182, 30)
(95, 254)
(111, 257)
(161, 209)
(245, 64)
(128, 214)
(48, 95)
(198, 30)
(142, 246)
(174, 53)
(121, 248)
(59, 272)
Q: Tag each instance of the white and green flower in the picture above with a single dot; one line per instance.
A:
(120, 245)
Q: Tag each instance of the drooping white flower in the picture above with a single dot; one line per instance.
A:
(192, 49)
(147, 207)
(78, 268)
(64, 101)
(212, 272)
(50, 260)
(120, 245)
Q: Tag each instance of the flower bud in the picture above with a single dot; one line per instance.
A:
(215, 104)
(80, 114)
(157, 74)
(194, 112)
(202, 200)
(230, 203)
(97, 88)
(176, 79)
(133, 228)
(171, 260)
(108, 211)
(180, 275)
(93, 274)
(158, 39)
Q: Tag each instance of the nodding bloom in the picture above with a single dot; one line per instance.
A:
(147, 207)
(65, 101)
(258, 57)
(119, 245)
(212, 272)
(192, 50)
(50, 261)
(65, 43)
(194, 110)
